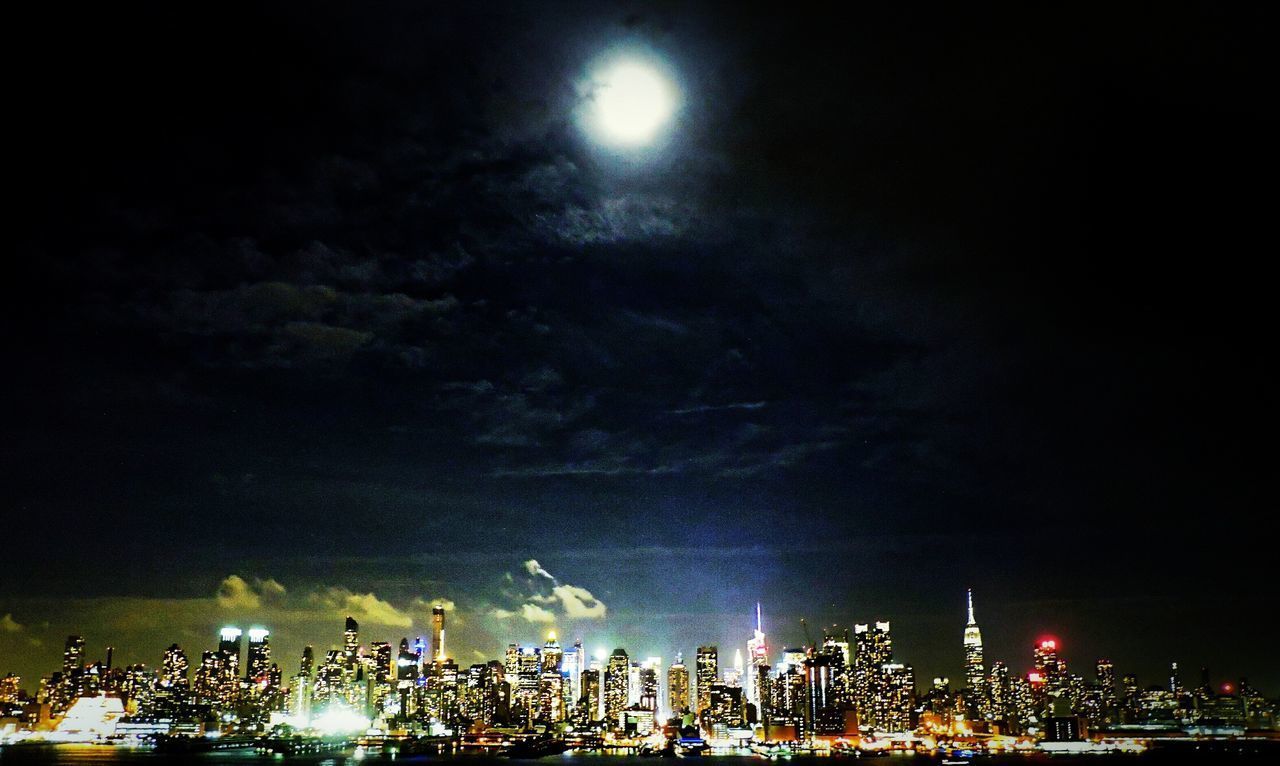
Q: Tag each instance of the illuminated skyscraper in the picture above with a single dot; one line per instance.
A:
(822, 714)
(259, 658)
(616, 682)
(437, 633)
(707, 668)
(678, 686)
(975, 673)
(229, 669)
(572, 664)
(896, 698)
(1107, 684)
(873, 649)
(1001, 690)
(733, 676)
(649, 691)
(73, 655)
(551, 654)
(307, 665)
(351, 640)
(835, 649)
(1051, 669)
(592, 699)
(173, 670)
(757, 659)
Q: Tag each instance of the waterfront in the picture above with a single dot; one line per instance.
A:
(1207, 752)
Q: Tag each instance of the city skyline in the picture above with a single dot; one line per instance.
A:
(1019, 664)
(621, 320)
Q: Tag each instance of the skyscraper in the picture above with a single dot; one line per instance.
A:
(707, 668)
(649, 691)
(350, 640)
(1051, 669)
(229, 648)
(259, 658)
(975, 673)
(551, 654)
(757, 659)
(873, 649)
(173, 671)
(616, 682)
(678, 686)
(73, 655)
(437, 633)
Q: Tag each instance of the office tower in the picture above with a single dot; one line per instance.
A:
(822, 713)
(649, 670)
(421, 658)
(706, 669)
(551, 654)
(1175, 681)
(350, 641)
(896, 698)
(571, 666)
(999, 686)
(229, 677)
(208, 680)
(173, 669)
(678, 686)
(617, 676)
(10, 689)
(733, 676)
(551, 696)
(974, 668)
(1051, 669)
(724, 707)
(835, 649)
(511, 664)
(633, 684)
(383, 678)
(437, 633)
(308, 664)
(259, 658)
(1107, 684)
(592, 694)
(757, 659)
(73, 655)
(873, 650)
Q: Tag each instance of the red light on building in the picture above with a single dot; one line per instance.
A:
(1048, 643)
(1227, 688)
(1035, 678)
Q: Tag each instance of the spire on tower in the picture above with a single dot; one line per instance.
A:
(758, 617)
(971, 620)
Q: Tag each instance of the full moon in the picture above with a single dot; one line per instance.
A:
(631, 102)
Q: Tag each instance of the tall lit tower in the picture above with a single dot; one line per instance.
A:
(706, 672)
(437, 633)
(350, 640)
(678, 686)
(229, 648)
(259, 659)
(616, 682)
(552, 654)
(757, 659)
(174, 667)
(73, 655)
(975, 673)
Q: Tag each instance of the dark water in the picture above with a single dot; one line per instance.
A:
(89, 755)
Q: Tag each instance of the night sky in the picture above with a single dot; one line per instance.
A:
(322, 310)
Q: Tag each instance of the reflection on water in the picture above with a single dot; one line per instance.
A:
(91, 754)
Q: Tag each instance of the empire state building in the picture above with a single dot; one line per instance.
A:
(974, 674)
